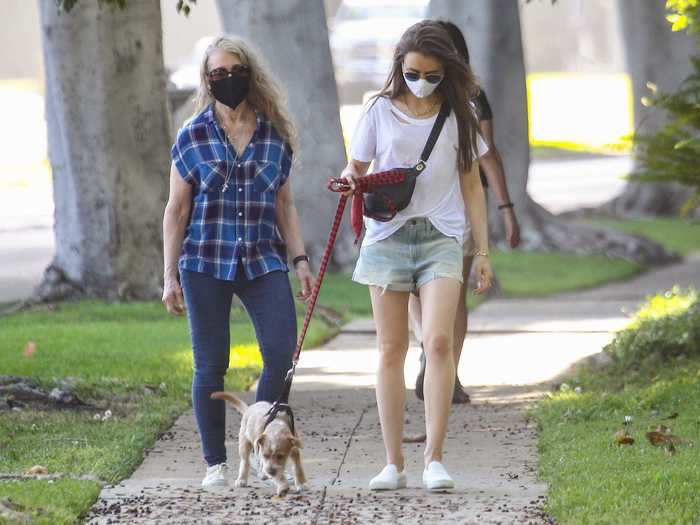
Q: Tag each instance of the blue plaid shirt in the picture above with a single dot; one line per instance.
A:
(236, 221)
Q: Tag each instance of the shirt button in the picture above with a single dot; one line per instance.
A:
(240, 189)
(240, 239)
(240, 214)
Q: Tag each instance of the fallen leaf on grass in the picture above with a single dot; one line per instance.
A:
(623, 438)
(29, 349)
(660, 438)
(37, 470)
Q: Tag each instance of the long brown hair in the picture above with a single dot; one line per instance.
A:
(458, 86)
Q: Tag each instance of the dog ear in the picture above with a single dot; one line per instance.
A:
(258, 444)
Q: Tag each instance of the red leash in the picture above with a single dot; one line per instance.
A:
(366, 183)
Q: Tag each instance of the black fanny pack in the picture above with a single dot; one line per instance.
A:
(383, 203)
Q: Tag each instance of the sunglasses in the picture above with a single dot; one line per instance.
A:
(433, 78)
(221, 72)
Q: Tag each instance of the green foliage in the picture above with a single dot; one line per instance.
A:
(185, 6)
(666, 327)
(672, 153)
(66, 5)
(654, 380)
(182, 6)
(685, 15)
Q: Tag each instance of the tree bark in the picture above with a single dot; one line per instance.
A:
(656, 54)
(109, 138)
(293, 39)
(492, 30)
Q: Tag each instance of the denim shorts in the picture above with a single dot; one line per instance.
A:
(409, 258)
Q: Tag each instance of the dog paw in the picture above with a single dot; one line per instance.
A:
(240, 483)
(299, 488)
(282, 490)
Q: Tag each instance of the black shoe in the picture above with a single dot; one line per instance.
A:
(421, 375)
(459, 396)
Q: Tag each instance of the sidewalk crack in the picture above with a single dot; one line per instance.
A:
(322, 503)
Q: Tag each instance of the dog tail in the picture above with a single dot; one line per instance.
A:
(226, 396)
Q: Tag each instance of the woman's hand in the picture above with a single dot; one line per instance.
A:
(349, 176)
(172, 296)
(484, 274)
(306, 280)
(512, 228)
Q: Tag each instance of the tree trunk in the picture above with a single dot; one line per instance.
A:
(109, 138)
(293, 39)
(492, 30)
(658, 55)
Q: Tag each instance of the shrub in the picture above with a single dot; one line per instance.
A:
(667, 326)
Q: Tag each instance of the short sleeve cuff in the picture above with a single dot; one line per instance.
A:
(180, 165)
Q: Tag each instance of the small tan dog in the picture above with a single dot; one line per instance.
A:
(273, 445)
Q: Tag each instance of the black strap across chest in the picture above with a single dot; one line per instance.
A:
(433, 137)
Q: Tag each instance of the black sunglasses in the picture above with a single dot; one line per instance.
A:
(221, 72)
(433, 78)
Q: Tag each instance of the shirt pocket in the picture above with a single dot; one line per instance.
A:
(212, 175)
(267, 176)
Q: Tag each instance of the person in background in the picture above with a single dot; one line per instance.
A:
(492, 175)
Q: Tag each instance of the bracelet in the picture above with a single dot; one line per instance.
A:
(482, 253)
(506, 205)
(298, 259)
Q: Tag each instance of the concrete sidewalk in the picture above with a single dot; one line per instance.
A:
(491, 449)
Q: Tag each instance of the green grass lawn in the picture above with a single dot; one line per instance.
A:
(654, 379)
(112, 351)
(679, 235)
(535, 274)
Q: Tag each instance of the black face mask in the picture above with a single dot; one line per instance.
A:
(231, 90)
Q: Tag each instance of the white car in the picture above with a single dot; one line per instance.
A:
(363, 36)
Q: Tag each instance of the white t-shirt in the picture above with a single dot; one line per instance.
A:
(393, 139)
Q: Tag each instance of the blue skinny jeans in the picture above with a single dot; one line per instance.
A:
(269, 302)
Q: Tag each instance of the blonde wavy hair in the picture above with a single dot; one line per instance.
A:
(264, 94)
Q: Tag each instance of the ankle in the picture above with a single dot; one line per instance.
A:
(429, 459)
(399, 464)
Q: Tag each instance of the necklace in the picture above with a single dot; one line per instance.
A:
(229, 167)
(422, 113)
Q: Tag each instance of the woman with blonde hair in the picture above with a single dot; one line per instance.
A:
(230, 226)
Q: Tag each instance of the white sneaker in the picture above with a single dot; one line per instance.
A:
(216, 476)
(388, 479)
(435, 477)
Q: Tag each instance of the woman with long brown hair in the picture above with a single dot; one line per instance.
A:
(420, 249)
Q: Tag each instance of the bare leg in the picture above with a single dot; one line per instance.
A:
(391, 318)
(460, 330)
(439, 301)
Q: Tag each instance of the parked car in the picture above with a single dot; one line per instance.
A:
(363, 35)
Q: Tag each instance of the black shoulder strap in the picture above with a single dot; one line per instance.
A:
(435, 132)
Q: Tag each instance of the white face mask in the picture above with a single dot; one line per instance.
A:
(421, 87)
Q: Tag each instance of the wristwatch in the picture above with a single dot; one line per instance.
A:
(299, 258)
